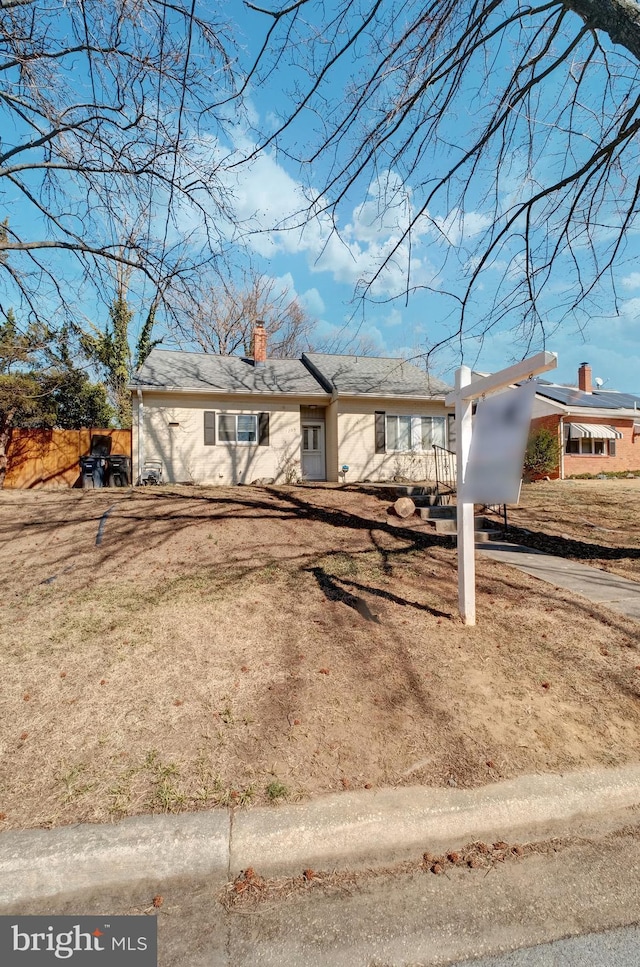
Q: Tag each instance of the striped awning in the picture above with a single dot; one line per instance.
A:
(595, 430)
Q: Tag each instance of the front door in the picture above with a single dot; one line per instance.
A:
(313, 467)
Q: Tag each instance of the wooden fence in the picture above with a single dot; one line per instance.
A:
(50, 458)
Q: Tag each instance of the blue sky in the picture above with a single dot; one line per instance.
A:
(324, 268)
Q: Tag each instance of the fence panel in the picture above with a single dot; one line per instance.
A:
(50, 458)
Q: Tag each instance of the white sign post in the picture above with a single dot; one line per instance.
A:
(474, 477)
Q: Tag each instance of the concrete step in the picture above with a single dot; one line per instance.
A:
(419, 495)
(490, 534)
(438, 512)
(449, 526)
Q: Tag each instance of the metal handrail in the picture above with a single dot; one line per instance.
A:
(446, 481)
(500, 510)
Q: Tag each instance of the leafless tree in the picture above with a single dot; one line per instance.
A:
(106, 120)
(221, 317)
(505, 134)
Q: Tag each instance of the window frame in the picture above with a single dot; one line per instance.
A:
(221, 436)
(415, 432)
(608, 447)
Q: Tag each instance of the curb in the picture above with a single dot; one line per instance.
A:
(360, 829)
(40, 864)
(342, 830)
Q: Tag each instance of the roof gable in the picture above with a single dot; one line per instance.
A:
(373, 376)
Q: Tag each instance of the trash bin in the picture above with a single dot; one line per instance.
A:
(93, 471)
(119, 470)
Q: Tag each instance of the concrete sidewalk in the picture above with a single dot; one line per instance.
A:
(340, 831)
(598, 586)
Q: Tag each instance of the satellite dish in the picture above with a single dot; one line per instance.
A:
(599, 382)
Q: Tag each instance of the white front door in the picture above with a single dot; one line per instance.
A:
(313, 467)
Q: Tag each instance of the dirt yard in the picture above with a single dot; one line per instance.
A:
(235, 646)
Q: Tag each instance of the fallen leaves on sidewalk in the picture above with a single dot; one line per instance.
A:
(249, 888)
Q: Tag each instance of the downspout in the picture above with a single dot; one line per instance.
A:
(140, 467)
(562, 448)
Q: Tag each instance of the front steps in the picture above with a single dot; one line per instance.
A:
(442, 518)
(444, 521)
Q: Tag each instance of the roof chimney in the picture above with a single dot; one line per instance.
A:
(259, 343)
(584, 378)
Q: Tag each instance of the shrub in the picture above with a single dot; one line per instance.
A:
(542, 455)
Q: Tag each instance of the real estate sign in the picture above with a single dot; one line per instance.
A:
(500, 430)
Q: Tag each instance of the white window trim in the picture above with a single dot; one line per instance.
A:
(416, 431)
(237, 442)
(589, 453)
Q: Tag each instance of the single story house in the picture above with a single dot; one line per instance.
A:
(598, 430)
(228, 420)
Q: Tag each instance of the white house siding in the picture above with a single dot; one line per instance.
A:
(542, 407)
(356, 440)
(184, 455)
(331, 441)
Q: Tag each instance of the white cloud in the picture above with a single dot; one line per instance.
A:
(631, 308)
(386, 212)
(277, 215)
(393, 318)
(631, 281)
(313, 302)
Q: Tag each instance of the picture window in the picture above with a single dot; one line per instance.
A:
(415, 432)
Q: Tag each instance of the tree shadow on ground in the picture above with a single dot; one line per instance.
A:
(570, 547)
(333, 589)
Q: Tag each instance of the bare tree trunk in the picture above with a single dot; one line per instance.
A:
(6, 426)
(620, 19)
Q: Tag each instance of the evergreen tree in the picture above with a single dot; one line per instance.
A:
(110, 351)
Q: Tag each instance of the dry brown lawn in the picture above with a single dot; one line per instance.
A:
(238, 646)
(593, 521)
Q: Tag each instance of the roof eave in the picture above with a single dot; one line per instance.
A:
(215, 391)
(436, 398)
(584, 412)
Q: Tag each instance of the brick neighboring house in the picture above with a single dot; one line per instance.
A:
(598, 430)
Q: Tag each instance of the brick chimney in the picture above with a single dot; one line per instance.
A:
(259, 343)
(584, 378)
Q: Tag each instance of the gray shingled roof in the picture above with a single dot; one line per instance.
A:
(167, 369)
(372, 376)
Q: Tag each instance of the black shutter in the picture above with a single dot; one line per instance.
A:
(452, 436)
(263, 429)
(209, 428)
(381, 435)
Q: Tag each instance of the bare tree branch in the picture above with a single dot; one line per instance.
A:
(524, 118)
(97, 104)
(220, 318)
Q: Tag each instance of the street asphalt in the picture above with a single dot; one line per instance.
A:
(613, 948)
